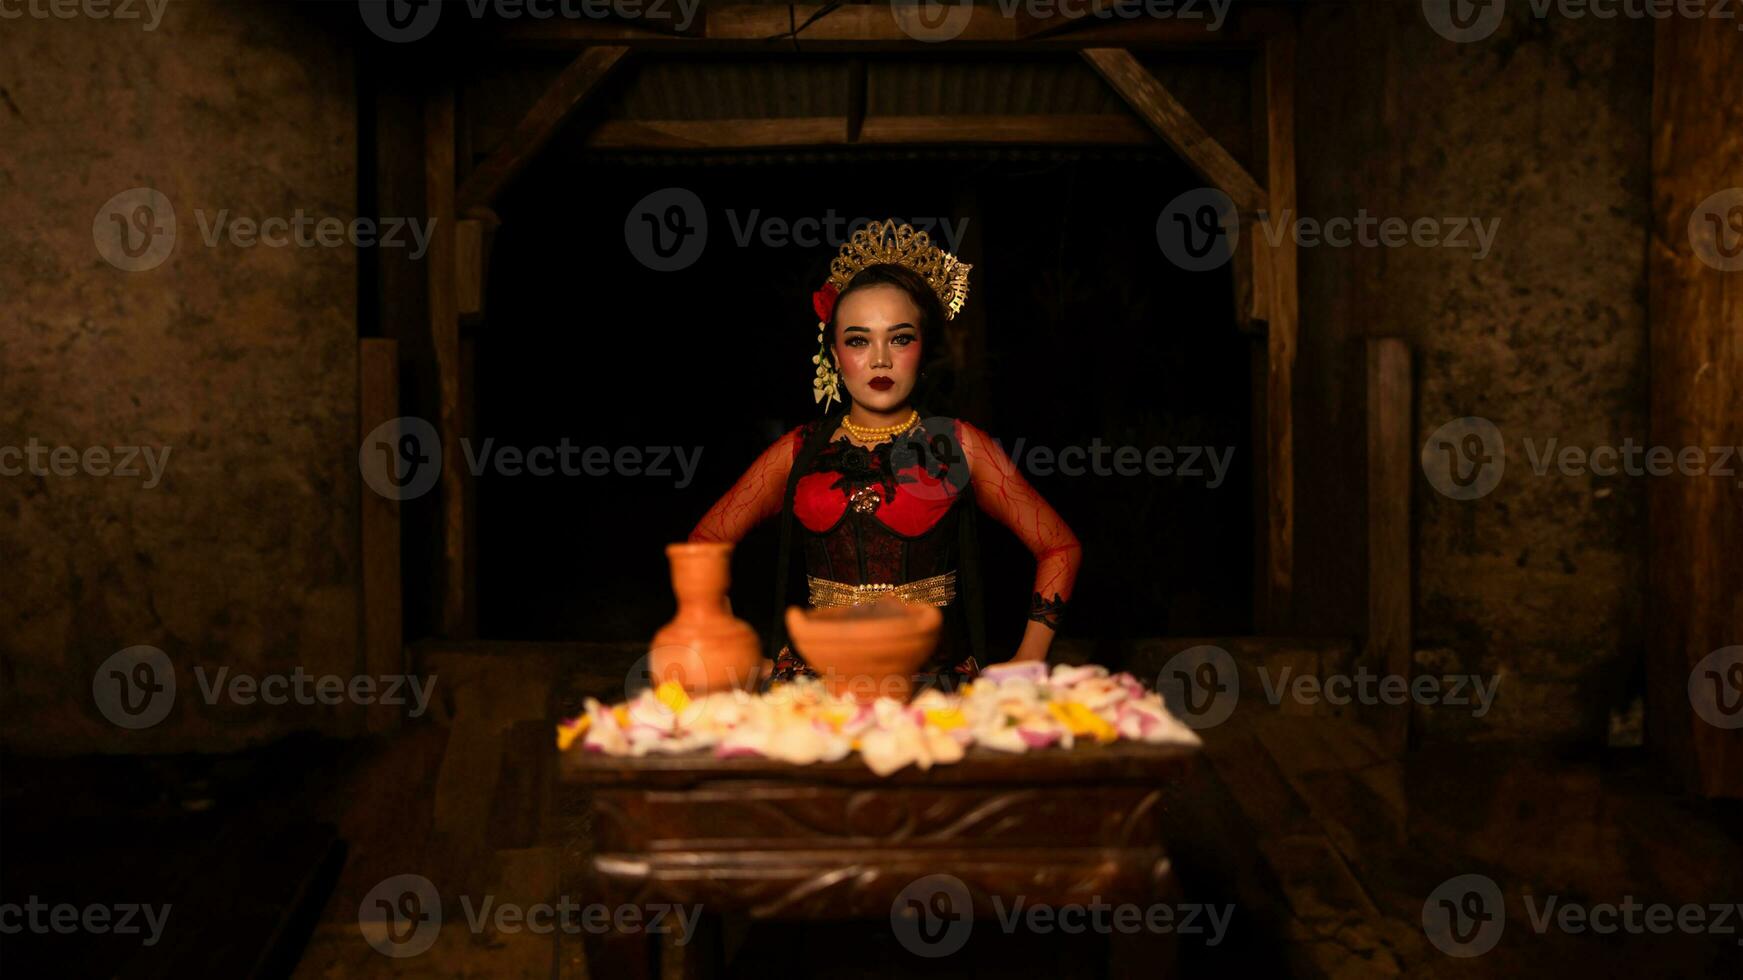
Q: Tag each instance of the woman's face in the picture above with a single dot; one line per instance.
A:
(877, 346)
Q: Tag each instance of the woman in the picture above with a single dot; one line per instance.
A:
(874, 490)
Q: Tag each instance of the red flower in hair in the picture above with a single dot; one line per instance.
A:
(823, 301)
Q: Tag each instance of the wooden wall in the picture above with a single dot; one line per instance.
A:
(241, 359)
(1695, 549)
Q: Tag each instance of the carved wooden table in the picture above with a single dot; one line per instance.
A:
(751, 836)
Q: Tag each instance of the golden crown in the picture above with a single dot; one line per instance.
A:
(884, 242)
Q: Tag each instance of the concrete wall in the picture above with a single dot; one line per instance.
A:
(239, 361)
(1544, 126)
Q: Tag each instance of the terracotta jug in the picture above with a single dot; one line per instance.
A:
(704, 648)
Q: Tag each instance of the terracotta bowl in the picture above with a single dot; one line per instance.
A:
(866, 652)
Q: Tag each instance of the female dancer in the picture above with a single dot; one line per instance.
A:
(874, 489)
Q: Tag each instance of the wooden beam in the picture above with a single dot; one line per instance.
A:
(665, 19)
(1109, 130)
(717, 134)
(1086, 14)
(382, 592)
(1282, 309)
(1163, 113)
(897, 27)
(1391, 461)
(1695, 300)
(444, 314)
(566, 94)
(743, 134)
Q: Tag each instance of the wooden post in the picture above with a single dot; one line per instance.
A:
(1281, 299)
(1695, 522)
(469, 491)
(473, 235)
(1250, 274)
(383, 634)
(1258, 434)
(1251, 262)
(1251, 268)
(445, 342)
(1391, 460)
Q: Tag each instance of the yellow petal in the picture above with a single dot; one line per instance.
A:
(567, 734)
(671, 694)
(945, 719)
(1079, 720)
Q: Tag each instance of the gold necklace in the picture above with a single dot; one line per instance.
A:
(878, 433)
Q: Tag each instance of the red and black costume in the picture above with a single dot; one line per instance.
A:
(897, 513)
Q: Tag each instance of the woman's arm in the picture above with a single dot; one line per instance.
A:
(755, 498)
(1002, 492)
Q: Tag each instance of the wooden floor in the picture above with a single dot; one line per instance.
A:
(1327, 847)
(1331, 849)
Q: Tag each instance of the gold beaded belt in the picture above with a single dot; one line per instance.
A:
(939, 590)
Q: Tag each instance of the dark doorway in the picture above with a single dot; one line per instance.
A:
(1092, 339)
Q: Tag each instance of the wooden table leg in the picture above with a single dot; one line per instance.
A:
(1149, 953)
(614, 955)
(698, 956)
(1142, 954)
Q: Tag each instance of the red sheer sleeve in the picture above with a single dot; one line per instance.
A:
(755, 498)
(1002, 492)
